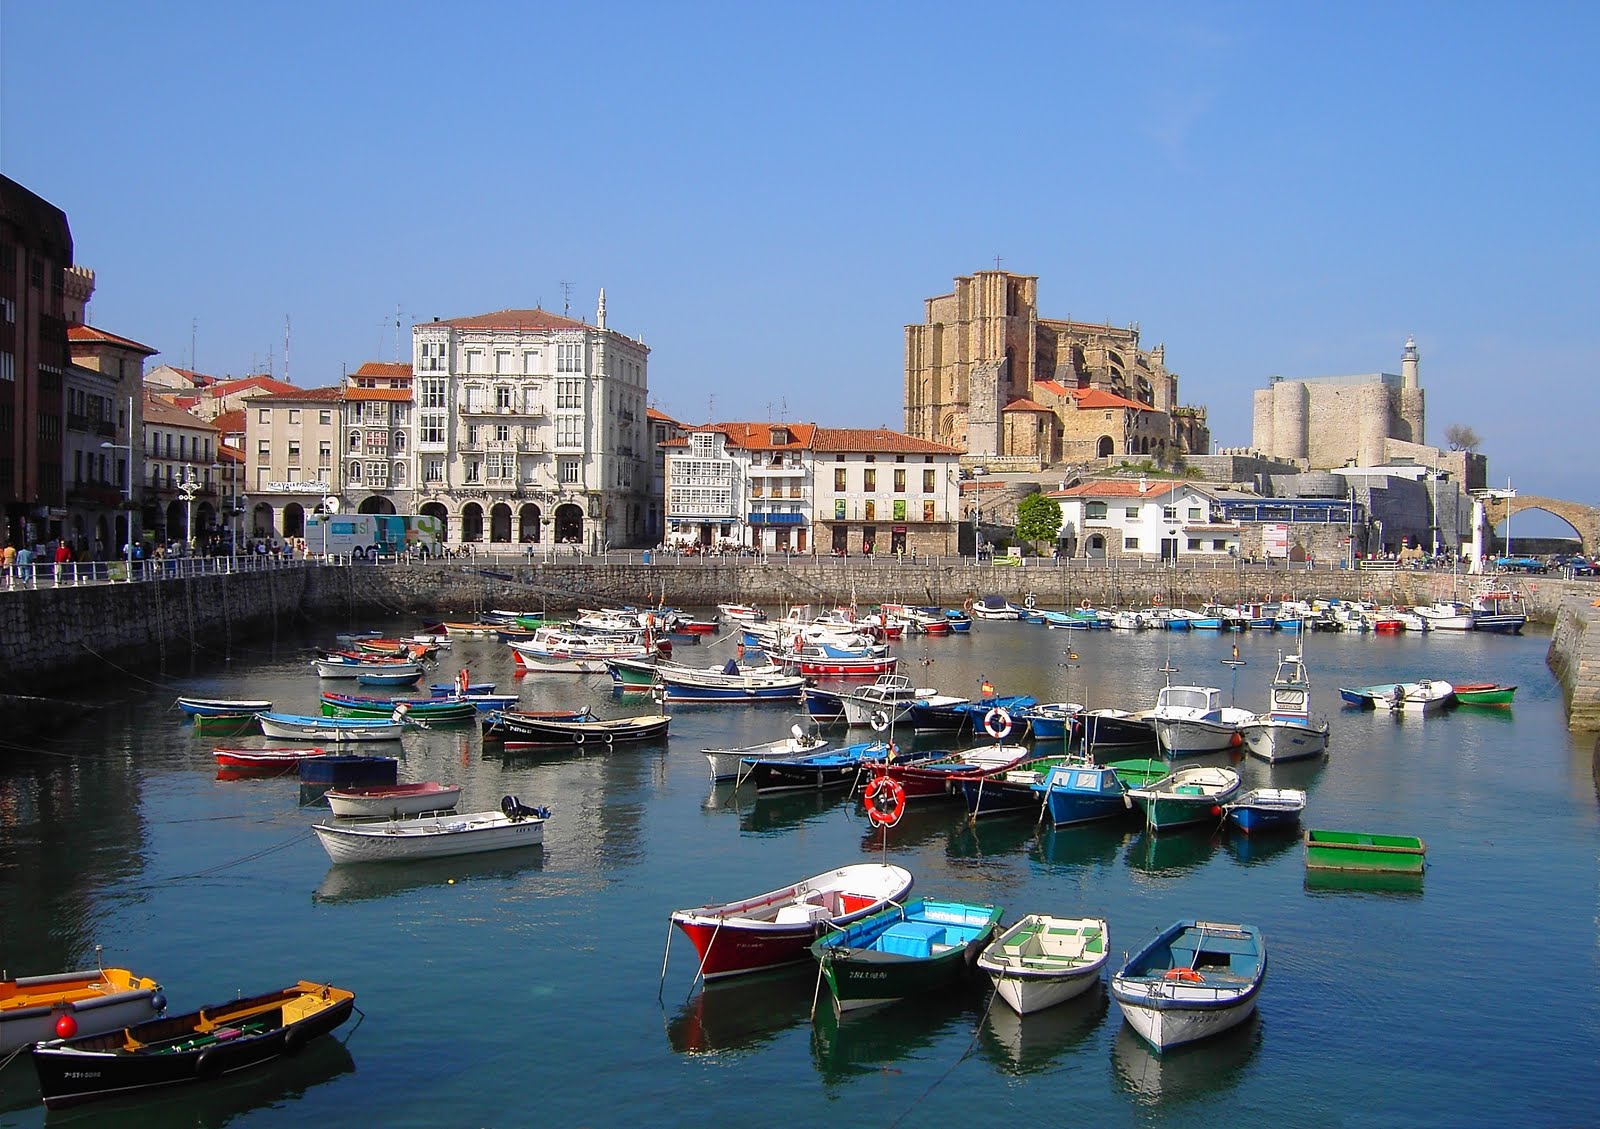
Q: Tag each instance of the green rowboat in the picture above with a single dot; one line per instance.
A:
(1139, 773)
(1362, 851)
(225, 724)
(1485, 694)
(924, 946)
(444, 712)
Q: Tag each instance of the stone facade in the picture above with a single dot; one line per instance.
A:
(1329, 421)
(983, 356)
(292, 447)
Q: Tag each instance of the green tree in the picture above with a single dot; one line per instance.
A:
(1038, 518)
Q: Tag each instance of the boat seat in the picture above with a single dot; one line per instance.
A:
(911, 938)
(801, 913)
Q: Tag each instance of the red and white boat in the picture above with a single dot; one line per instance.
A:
(393, 800)
(941, 779)
(266, 760)
(742, 613)
(777, 928)
(817, 661)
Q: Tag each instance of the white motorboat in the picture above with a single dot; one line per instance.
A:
(1194, 980)
(1191, 720)
(435, 836)
(392, 801)
(1042, 961)
(886, 701)
(725, 763)
(1287, 730)
(1447, 616)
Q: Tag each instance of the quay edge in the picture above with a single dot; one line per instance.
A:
(56, 635)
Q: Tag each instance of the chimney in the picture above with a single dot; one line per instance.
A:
(1143, 484)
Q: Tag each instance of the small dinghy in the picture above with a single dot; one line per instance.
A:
(922, 946)
(1262, 809)
(436, 836)
(1193, 980)
(210, 707)
(392, 801)
(1042, 961)
(33, 1008)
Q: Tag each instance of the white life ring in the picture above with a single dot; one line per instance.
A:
(1029, 600)
(879, 720)
(997, 723)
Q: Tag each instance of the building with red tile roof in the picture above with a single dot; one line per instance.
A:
(1143, 519)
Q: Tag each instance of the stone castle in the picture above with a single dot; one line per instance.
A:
(985, 373)
(1328, 421)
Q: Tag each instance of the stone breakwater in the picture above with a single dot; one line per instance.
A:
(54, 636)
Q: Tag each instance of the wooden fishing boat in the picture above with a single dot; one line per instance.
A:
(1010, 791)
(35, 1008)
(392, 801)
(456, 689)
(1052, 721)
(776, 928)
(435, 836)
(1193, 794)
(1287, 731)
(464, 630)
(995, 607)
(1193, 980)
(341, 668)
(726, 763)
(435, 711)
(518, 729)
(1360, 851)
(816, 662)
(1266, 809)
(338, 730)
(225, 724)
(963, 716)
(1484, 693)
(1114, 728)
(826, 769)
(904, 950)
(266, 760)
(886, 701)
(942, 778)
(350, 770)
(1427, 695)
(697, 684)
(742, 613)
(493, 731)
(1192, 721)
(389, 677)
(1081, 791)
(214, 1041)
(1042, 961)
(1499, 610)
(212, 707)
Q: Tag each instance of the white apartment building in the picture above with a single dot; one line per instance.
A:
(1143, 520)
(742, 486)
(531, 427)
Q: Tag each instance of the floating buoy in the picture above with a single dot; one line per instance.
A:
(66, 1026)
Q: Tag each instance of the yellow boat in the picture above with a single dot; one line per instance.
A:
(68, 1004)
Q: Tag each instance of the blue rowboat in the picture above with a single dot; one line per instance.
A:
(388, 677)
(1052, 721)
(350, 770)
(1194, 980)
(213, 707)
(1265, 809)
(827, 770)
(452, 689)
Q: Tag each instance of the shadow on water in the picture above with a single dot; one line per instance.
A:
(1260, 846)
(361, 882)
(989, 838)
(1018, 1044)
(1183, 1074)
(1173, 852)
(743, 1013)
(924, 822)
(881, 1038)
(210, 1105)
(768, 814)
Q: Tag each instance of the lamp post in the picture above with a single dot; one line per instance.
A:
(127, 497)
(189, 487)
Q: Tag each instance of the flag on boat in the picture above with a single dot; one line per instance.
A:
(987, 689)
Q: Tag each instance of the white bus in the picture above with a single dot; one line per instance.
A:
(372, 536)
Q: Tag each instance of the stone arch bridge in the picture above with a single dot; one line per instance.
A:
(1585, 519)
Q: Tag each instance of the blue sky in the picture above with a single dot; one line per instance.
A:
(768, 192)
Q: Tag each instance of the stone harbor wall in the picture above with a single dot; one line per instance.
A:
(1575, 657)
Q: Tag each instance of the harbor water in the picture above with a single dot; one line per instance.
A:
(526, 987)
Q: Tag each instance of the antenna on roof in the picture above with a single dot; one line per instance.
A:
(711, 407)
(194, 331)
(286, 349)
(566, 298)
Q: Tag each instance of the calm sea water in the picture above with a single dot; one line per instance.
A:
(527, 987)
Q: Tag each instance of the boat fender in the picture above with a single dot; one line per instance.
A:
(158, 1001)
(208, 1065)
(997, 723)
(609, 738)
(879, 721)
(294, 1040)
(1186, 975)
(577, 738)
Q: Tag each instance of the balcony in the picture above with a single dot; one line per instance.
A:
(777, 519)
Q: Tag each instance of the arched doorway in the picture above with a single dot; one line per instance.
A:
(437, 510)
(294, 520)
(205, 521)
(500, 523)
(528, 524)
(261, 521)
(376, 505)
(472, 522)
(1095, 546)
(569, 524)
(1105, 448)
(172, 527)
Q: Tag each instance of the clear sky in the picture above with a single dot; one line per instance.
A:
(768, 192)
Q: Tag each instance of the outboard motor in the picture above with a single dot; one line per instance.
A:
(516, 811)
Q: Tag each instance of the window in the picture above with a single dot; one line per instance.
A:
(355, 472)
(502, 397)
(869, 479)
(501, 467)
(1194, 544)
(1131, 513)
(431, 394)
(430, 429)
(929, 482)
(1093, 511)
(502, 432)
(355, 441)
(324, 454)
(399, 441)
(838, 509)
(869, 510)
(474, 471)
(472, 435)
(567, 471)
(264, 449)
(325, 418)
(899, 480)
(433, 470)
(1169, 513)
(569, 394)
(927, 512)
(264, 415)
(569, 356)
(569, 431)
(899, 509)
(502, 360)
(1220, 545)
(1130, 543)
(294, 453)
(477, 363)
(530, 363)
(377, 440)
(1196, 514)
(378, 475)
(294, 416)
(839, 479)
(432, 357)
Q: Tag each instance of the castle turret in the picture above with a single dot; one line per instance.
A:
(1413, 406)
(1408, 364)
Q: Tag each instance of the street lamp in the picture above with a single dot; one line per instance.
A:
(189, 487)
(127, 497)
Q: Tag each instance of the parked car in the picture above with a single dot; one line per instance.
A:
(1574, 565)
(1519, 564)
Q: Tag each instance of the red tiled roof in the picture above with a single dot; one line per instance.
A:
(1023, 404)
(158, 411)
(384, 368)
(652, 413)
(231, 422)
(1052, 386)
(393, 395)
(758, 436)
(512, 319)
(231, 387)
(1090, 399)
(1121, 488)
(877, 439)
(89, 335)
(295, 395)
(229, 454)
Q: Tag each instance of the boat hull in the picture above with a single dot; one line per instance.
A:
(1044, 961)
(1193, 981)
(1188, 737)
(328, 730)
(391, 802)
(1276, 741)
(923, 947)
(98, 1001)
(443, 836)
(1357, 851)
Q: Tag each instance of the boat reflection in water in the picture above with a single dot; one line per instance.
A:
(770, 815)
(924, 822)
(1024, 1045)
(1361, 882)
(988, 838)
(743, 1012)
(211, 1105)
(882, 1038)
(1185, 1074)
(366, 881)
(1086, 846)
(1174, 852)
(1261, 846)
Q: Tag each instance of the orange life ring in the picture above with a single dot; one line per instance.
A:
(886, 801)
(1187, 975)
(1084, 604)
(966, 605)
